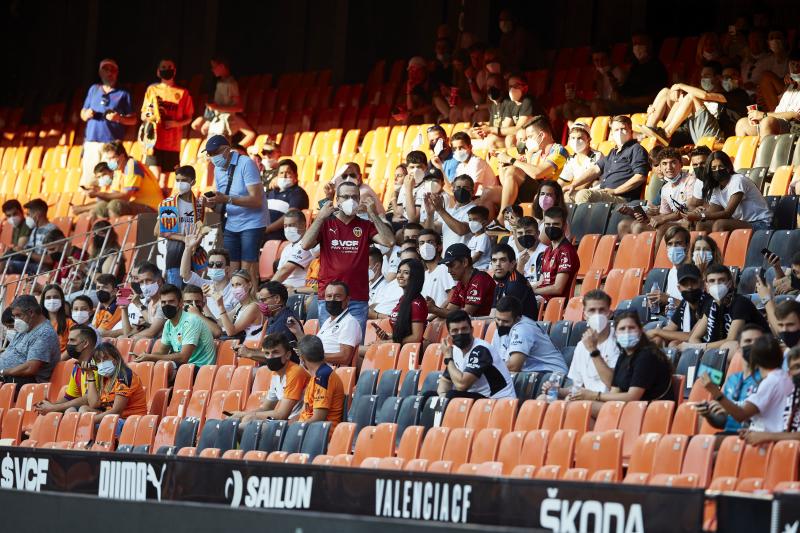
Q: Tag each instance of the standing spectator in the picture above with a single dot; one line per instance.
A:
(474, 290)
(583, 156)
(219, 274)
(560, 263)
(294, 261)
(521, 343)
(410, 315)
(622, 174)
(34, 351)
(323, 399)
(283, 195)
(223, 114)
(190, 213)
(40, 227)
(511, 282)
(344, 241)
(12, 210)
(242, 204)
(515, 42)
(688, 311)
(438, 281)
(451, 222)
(171, 108)
(351, 173)
(644, 79)
(106, 111)
(139, 191)
(473, 367)
(785, 105)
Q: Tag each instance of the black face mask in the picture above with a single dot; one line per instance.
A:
(334, 307)
(720, 175)
(746, 353)
(521, 147)
(137, 288)
(795, 282)
(73, 351)
(692, 295)
(170, 311)
(275, 363)
(494, 94)
(462, 195)
(166, 73)
(462, 340)
(104, 297)
(503, 330)
(790, 338)
(554, 233)
(527, 241)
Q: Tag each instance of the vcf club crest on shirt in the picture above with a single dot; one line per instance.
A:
(357, 232)
(168, 219)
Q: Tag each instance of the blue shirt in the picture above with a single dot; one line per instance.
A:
(737, 388)
(449, 165)
(98, 129)
(527, 337)
(245, 173)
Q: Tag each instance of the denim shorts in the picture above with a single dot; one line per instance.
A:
(759, 225)
(244, 245)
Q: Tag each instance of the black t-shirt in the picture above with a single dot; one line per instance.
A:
(278, 202)
(644, 79)
(517, 286)
(695, 314)
(510, 109)
(734, 109)
(645, 369)
(739, 308)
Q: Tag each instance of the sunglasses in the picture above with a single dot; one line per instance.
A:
(267, 152)
(216, 264)
(350, 175)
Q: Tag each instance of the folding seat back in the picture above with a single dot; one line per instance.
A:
(554, 309)
(685, 420)
(485, 445)
(479, 414)
(146, 431)
(316, 439)
(561, 448)
(433, 411)
(226, 434)
(263, 379)
(59, 378)
(410, 442)
(430, 384)
(458, 446)
(698, 458)
(184, 377)
(342, 438)
(441, 467)
(670, 452)
(250, 435)
(658, 417)
(503, 414)
(577, 416)
(603, 255)
(631, 424)
(364, 411)
(68, 428)
(204, 379)
(375, 441)
(409, 383)
(104, 440)
(729, 457)
(255, 455)
(84, 433)
(271, 435)
(434, 443)
(187, 433)
(758, 241)
(526, 384)
(215, 405)
(586, 249)
(736, 252)
(531, 415)
(198, 403)
(388, 384)
(554, 416)
(128, 434)
(457, 413)
(7, 391)
(609, 416)
(12, 425)
(783, 463)
(601, 451)
(208, 435)
(409, 413)
(366, 384)
(644, 453)
(384, 357)
(223, 377)
(389, 410)
(755, 460)
(509, 452)
(294, 437)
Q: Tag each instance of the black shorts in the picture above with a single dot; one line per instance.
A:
(168, 161)
(527, 190)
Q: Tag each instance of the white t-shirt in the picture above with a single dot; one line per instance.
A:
(752, 208)
(227, 294)
(530, 266)
(789, 102)
(770, 398)
(578, 164)
(343, 329)
(483, 360)
(296, 254)
(480, 172)
(481, 243)
(437, 285)
(448, 235)
(672, 284)
(275, 393)
(375, 286)
(582, 371)
(387, 297)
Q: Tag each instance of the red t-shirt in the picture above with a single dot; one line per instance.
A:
(419, 310)
(344, 255)
(478, 291)
(563, 258)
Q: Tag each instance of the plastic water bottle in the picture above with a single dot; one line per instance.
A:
(654, 306)
(670, 309)
(552, 392)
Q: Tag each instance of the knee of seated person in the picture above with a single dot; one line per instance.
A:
(625, 226)
(583, 196)
(720, 225)
(769, 126)
(101, 209)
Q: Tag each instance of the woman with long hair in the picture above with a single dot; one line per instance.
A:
(245, 320)
(550, 194)
(705, 253)
(54, 306)
(104, 250)
(409, 317)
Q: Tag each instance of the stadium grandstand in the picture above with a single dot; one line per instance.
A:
(491, 266)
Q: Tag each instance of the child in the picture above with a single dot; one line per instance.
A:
(479, 244)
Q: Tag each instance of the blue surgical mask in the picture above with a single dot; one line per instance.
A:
(628, 340)
(112, 164)
(106, 368)
(218, 160)
(676, 254)
(216, 274)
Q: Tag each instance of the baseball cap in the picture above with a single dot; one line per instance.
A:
(215, 143)
(688, 271)
(455, 251)
(107, 62)
(417, 61)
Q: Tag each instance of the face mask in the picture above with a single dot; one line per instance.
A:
(509, 226)
(216, 274)
(728, 85)
(80, 317)
(628, 340)
(52, 305)
(20, 326)
(15, 221)
(795, 77)
(170, 311)
(275, 363)
(616, 136)
(264, 308)
(106, 368)
(73, 351)
(546, 202)
(432, 186)
(676, 254)
(112, 164)
(334, 307)
(506, 26)
(284, 183)
(11, 335)
(462, 195)
(746, 353)
(503, 330)
(475, 226)
(775, 46)
(417, 174)
(219, 160)
(240, 293)
(527, 241)
(462, 340)
(554, 233)
(30, 222)
(577, 145)
(702, 257)
(718, 291)
(531, 145)
(639, 51)
(268, 163)
(521, 148)
(103, 297)
(720, 175)
(149, 289)
(292, 234)
(597, 322)
(707, 84)
(166, 73)
(790, 338)
(348, 207)
(427, 251)
(183, 187)
(692, 296)
(104, 181)
(460, 155)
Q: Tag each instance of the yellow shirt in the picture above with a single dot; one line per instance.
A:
(138, 179)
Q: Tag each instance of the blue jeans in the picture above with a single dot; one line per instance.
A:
(243, 245)
(358, 309)
(174, 277)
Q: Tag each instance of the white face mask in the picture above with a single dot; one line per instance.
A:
(707, 84)
(729, 84)
(267, 163)
(20, 326)
(617, 137)
(183, 187)
(598, 322)
(431, 186)
(374, 274)
(106, 368)
(460, 155)
(702, 257)
(80, 316)
(292, 234)
(348, 207)
(718, 291)
(531, 145)
(52, 304)
(577, 145)
(15, 220)
(284, 183)
(417, 174)
(149, 289)
(475, 226)
(104, 181)
(427, 251)
(30, 222)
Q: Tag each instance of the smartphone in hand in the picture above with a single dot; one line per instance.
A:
(124, 295)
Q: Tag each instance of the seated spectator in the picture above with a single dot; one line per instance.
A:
(677, 239)
(139, 191)
(12, 210)
(218, 272)
(644, 78)
(442, 154)
(488, 117)
(723, 314)
(34, 351)
(284, 399)
(521, 343)
(511, 282)
(351, 173)
(697, 159)
(323, 399)
(471, 165)
(410, 315)
(149, 320)
(82, 311)
(34, 253)
(117, 389)
(340, 333)
(734, 201)
(705, 252)
(284, 194)
(294, 261)
(642, 371)
(738, 385)
(451, 222)
(376, 278)
(516, 46)
(407, 237)
(571, 108)
(543, 159)
(438, 281)
(186, 337)
(622, 174)
(54, 308)
(433, 183)
(400, 173)
(474, 290)
(679, 327)
(9, 332)
(550, 194)
(784, 93)
(81, 344)
(784, 318)
(108, 313)
(244, 321)
(104, 251)
(511, 215)
(479, 244)
(784, 284)
(529, 249)
(388, 295)
(764, 408)
(419, 91)
(271, 300)
(473, 367)
(194, 301)
(517, 110)
(560, 262)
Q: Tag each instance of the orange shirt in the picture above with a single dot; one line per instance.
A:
(129, 386)
(107, 317)
(325, 391)
(174, 103)
(62, 337)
